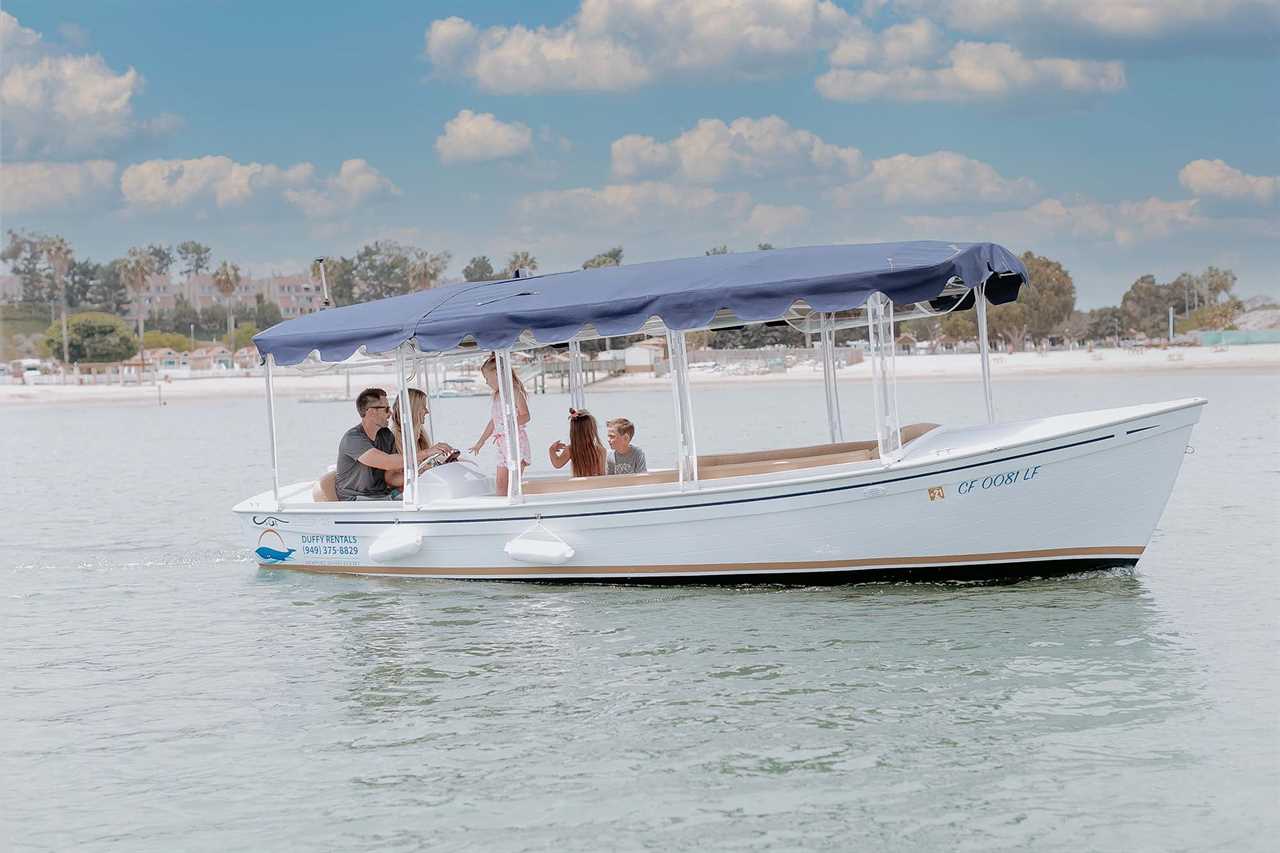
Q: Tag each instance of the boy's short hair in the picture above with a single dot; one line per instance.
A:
(367, 396)
(623, 426)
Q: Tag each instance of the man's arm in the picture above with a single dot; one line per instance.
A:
(375, 458)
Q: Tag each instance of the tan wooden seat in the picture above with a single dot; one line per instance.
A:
(769, 466)
(325, 489)
(714, 459)
(551, 485)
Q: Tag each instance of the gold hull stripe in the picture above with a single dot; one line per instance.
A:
(720, 568)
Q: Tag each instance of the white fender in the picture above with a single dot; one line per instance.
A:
(539, 546)
(395, 544)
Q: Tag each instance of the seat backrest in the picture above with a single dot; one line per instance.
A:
(769, 466)
(712, 459)
(553, 485)
(325, 489)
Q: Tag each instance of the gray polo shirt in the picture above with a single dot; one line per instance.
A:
(631, 462)
(353, 479)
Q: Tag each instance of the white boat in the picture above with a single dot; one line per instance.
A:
(1040, 496)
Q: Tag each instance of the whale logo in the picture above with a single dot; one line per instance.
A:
(271, 548)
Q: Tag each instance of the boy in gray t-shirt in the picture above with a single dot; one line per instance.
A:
(624, 457)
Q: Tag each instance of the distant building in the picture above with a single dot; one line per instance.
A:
(10, 288)
(294, 294)
(211, 358)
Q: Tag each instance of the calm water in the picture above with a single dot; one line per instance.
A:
(162, 693)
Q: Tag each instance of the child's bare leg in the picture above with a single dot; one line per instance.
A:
(502, 480)
(395, 479)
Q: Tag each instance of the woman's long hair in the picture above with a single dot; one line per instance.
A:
(418, 410)
(586, 451)
(491, 363)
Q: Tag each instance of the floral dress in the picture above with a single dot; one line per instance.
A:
(500, 439)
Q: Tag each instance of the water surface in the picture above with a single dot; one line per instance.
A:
(161, 692)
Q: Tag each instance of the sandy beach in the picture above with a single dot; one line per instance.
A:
(958, 367)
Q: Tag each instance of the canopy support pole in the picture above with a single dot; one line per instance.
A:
(577, 392)
(827, 338)
(884, 385)
(271, 432)
(984, 350)
(510, 425)
(425, 367)
(686, 444)
(407, 443)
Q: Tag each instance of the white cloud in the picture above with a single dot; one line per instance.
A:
(902, 44)
(612, 45)
(1215, 179)
(355, 183)
(643, 207)
(771, 220)
(177, 183)
(26, 187)
(1123, 223)
(1112, 20)
(942, 177)
(713, 151)
(169, 184)
(972, 72)
(474, 137)
(59, 104)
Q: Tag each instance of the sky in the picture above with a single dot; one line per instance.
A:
(1119, 137)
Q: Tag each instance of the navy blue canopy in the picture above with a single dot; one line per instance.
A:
(684, 294)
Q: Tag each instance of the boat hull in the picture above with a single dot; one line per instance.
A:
(1058, 494)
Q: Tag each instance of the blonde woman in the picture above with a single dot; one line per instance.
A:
(418, 428)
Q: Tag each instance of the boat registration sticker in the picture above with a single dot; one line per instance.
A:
(936, 493)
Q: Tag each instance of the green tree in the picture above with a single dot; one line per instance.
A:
(479, 269)
(80, 281)
(722, 249)
(184, 316)
(93, 337)
(425, 268)
(60, 258)
(156, 339)
(265, 314)
(28, 263)
(226, 279)
(161, 259)
(195, 258)
(1107, 323)
(135, 271)
(1146, 305)
(1008, 323)
(339, 273)
(959, 326)
(241, 337)
(764, 247)
(611, 258)
(213, 322)
(107, 290)
(1050, 297)
(520, 261)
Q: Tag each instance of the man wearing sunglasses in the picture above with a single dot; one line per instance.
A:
(367, 451)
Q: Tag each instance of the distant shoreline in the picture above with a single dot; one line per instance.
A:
(1255, 359)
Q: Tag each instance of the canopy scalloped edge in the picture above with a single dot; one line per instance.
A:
(684, 294)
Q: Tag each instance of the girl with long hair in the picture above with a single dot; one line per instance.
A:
(585, 452)
(495, 430)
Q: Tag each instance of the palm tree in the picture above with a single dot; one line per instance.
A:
(60, 257)
(521, 261)
(425, 269)
(136, 270)
(227, 279)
